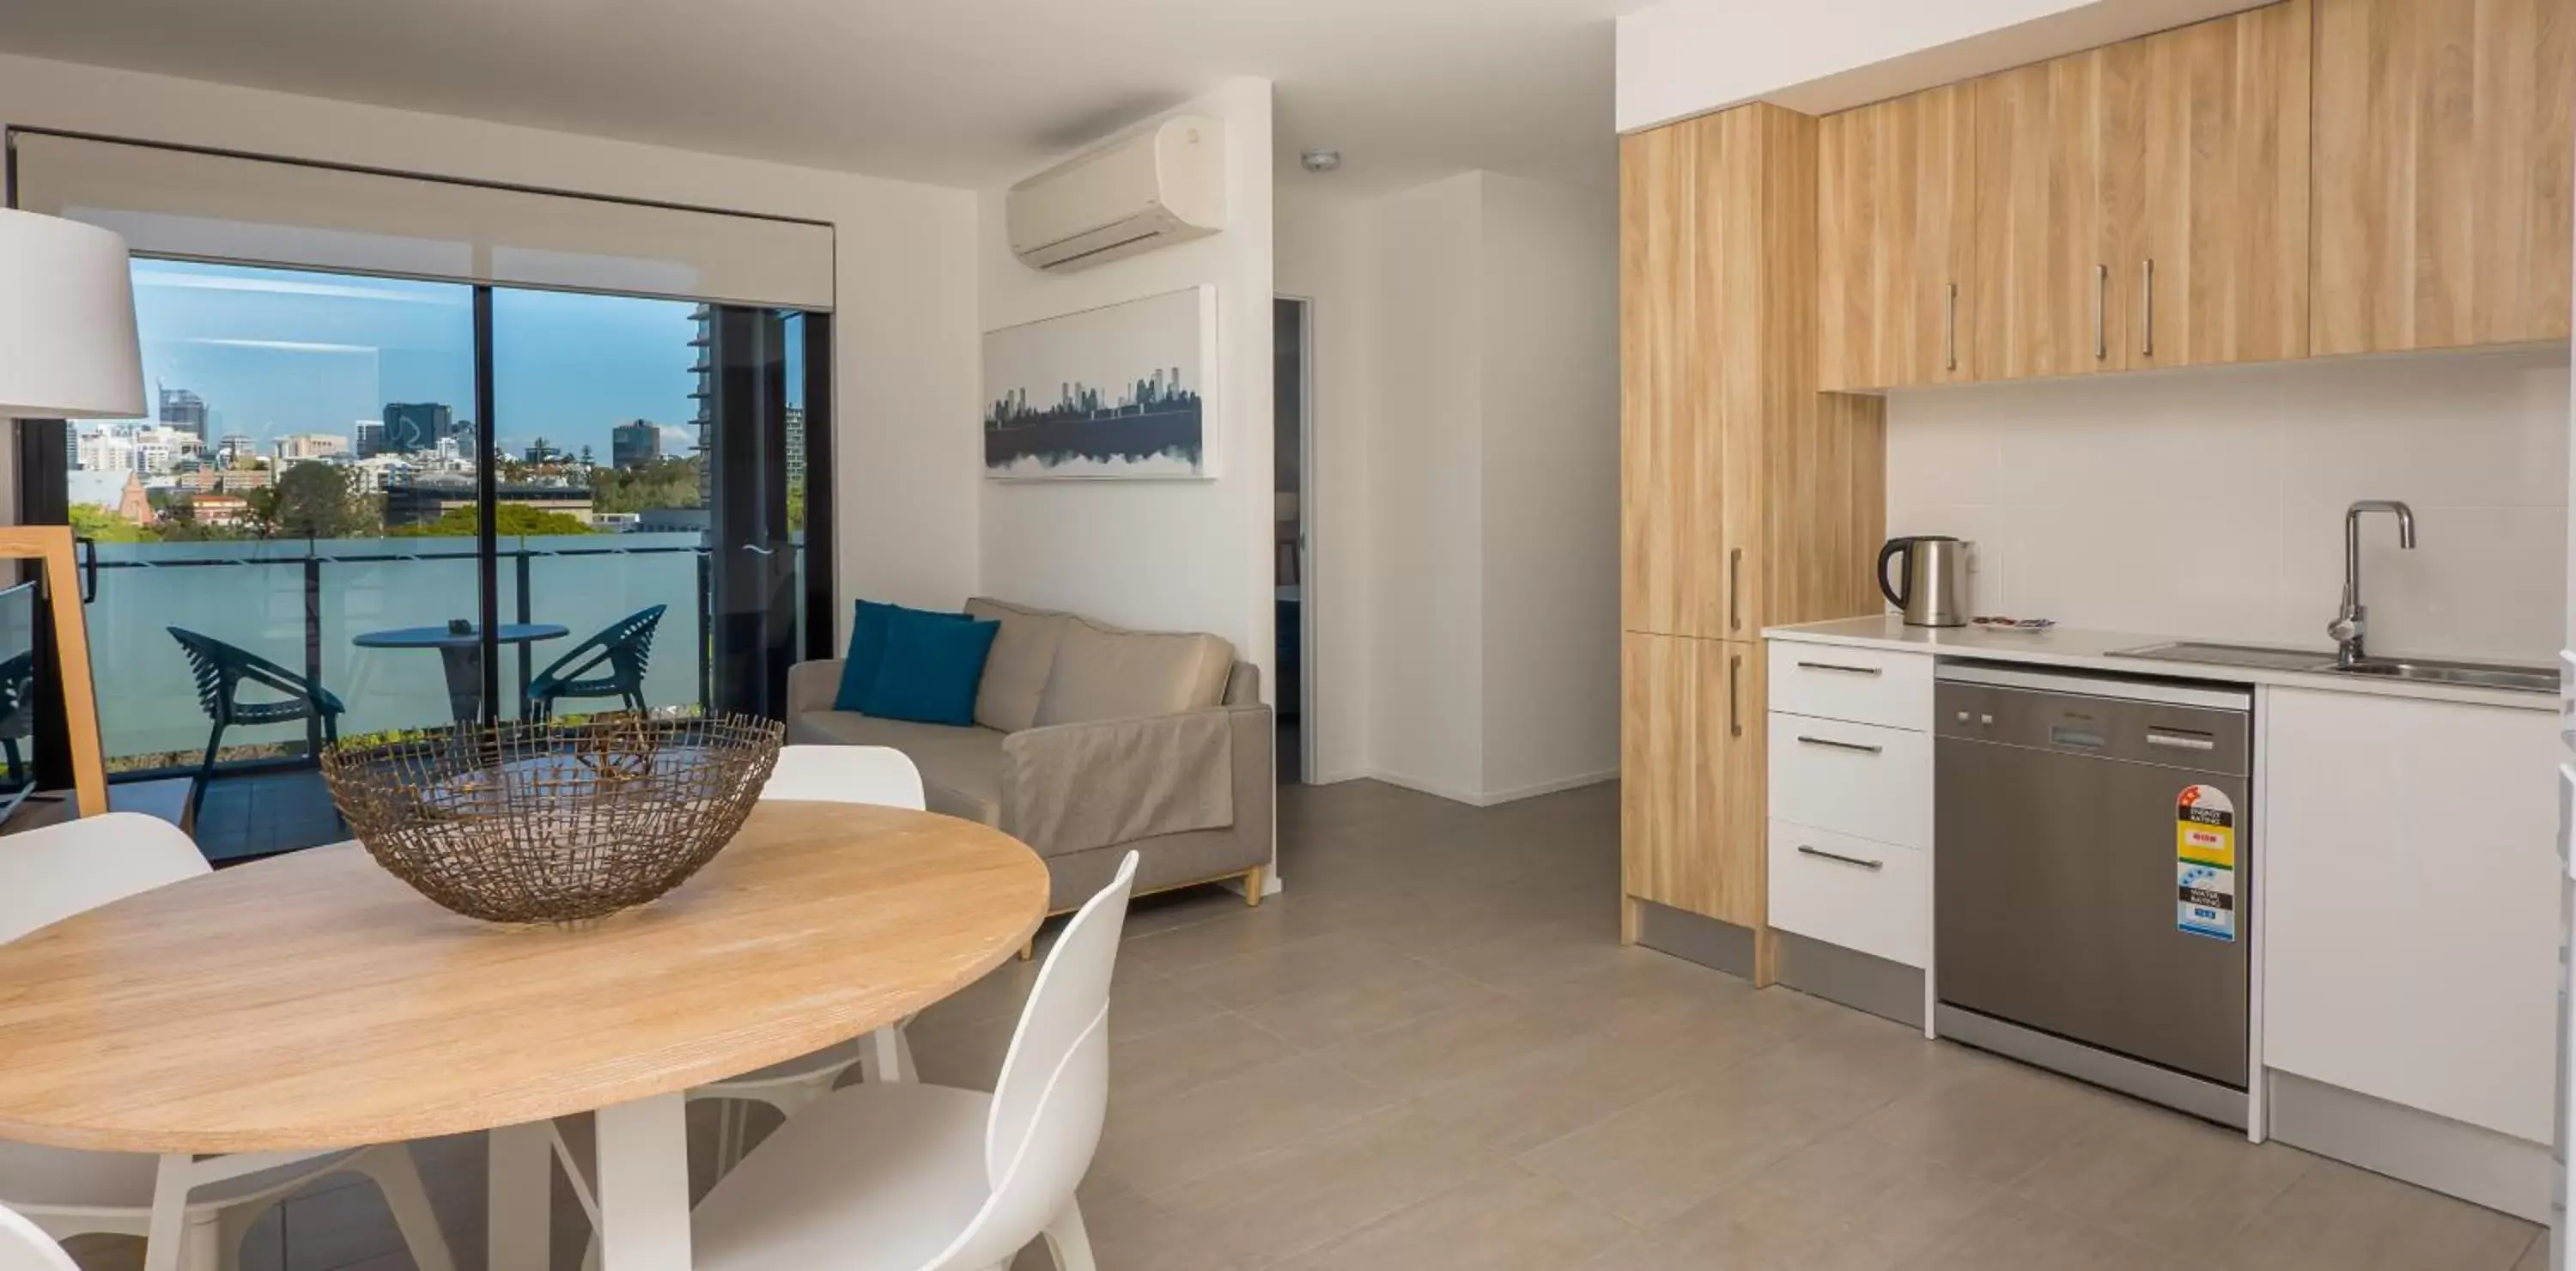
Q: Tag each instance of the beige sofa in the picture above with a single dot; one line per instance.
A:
(1090, 740)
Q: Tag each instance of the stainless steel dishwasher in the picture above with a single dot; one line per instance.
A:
(2092, 878)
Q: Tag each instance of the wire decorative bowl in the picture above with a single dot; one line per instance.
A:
(529, 822)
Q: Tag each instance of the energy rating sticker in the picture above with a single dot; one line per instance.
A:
(2205, 862)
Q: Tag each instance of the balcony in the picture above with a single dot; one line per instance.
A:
(303, 604)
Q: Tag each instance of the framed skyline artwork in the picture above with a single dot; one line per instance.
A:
(1118, 392)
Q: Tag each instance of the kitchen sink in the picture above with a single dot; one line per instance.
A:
(2522, 679)
(2527, 679)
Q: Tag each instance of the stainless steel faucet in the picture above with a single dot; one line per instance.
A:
(2351, 621)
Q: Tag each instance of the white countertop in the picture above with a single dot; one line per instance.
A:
(2090, 650)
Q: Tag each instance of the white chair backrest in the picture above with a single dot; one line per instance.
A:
(1054, 1091)
(881, 775)
(49, 874)
(25, 1247)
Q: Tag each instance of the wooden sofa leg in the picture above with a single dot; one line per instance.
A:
(1252, 880)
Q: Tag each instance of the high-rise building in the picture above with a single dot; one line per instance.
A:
(370, 436)
(297, 447)
(634, 445)
(795, 443)
(184, 411)
(234, 448)
(412, 427)
(702, 349)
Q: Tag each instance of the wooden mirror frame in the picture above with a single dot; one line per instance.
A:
(52, 544)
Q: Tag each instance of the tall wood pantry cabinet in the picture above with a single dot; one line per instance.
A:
(1748, 498)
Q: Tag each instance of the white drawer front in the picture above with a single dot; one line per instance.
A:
(1864, 686)
(1856, 779)
(1852, 892)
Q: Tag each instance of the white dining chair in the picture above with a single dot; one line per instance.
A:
(878, 775)
(918, 1177)
(191, 1211)
(24, 1246)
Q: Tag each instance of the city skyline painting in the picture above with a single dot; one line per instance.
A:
(1115, 392)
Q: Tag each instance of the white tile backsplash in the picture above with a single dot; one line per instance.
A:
(2210, 503)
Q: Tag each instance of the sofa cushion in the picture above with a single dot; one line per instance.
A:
(868, 619)
(931, 668)
(961, 768)
(1104, 672)
(1015, 676)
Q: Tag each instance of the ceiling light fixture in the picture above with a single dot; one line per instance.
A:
(1321, 160)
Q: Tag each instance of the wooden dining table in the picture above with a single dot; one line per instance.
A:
(313, 1001)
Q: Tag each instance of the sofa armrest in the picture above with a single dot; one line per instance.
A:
(1074, 787)
(811, 686)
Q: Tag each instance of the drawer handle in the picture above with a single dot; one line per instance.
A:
(1830, 744)
(1837, 666)
(1823, 855)
(2181, 740)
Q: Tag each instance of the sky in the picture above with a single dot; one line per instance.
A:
(275, 352)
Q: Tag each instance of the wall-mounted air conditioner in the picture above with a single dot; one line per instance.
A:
(1162, 186)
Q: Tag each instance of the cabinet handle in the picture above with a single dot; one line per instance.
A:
(2101, 312)
(1734, 713)
(1950, 326)
(2147, 308)
(1831, 744)
(1735, 589)
(1837, 666)
(1823, 855)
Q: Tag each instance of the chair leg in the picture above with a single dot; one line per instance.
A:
(1067, 1240)
(889, 1056)
(205, 772)
(202, 1247)
(397, 1175)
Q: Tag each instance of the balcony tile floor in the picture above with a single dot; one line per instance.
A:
(253, 814)
(1432, 1053)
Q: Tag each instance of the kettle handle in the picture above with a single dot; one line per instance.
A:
(1895, 547)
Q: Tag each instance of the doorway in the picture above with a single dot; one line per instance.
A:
(1292, 342)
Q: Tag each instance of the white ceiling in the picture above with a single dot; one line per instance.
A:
(956, 92)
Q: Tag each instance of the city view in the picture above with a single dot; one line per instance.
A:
(304, 493)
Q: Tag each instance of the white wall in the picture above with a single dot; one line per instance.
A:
(1425, 482)
(2210, 503)
(1689, 57)
(1551, 484)
(1181, 555)
(905, 357)
(1465, 486)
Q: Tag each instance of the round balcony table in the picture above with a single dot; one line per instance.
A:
(312, 1000)
(461, 652)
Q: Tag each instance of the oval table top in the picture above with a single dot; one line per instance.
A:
(442, 638)
(312, 1000)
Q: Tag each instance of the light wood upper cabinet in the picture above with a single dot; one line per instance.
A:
(1895, 204)
(1669, 454)
(1717, 315)
(2205, 190)
(2442, 162)
(2041, 286)
(1692, 733)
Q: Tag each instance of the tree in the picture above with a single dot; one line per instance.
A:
(516, 520)
(315, 500)
(655, 483)
(107, 527)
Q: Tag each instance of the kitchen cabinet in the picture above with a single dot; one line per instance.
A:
(1895, 204)
(1748, 498)
(2409, 889)
(2205, 189)
(2442, 159)
(1691, 820)
(2040, 292)
(2144, 204)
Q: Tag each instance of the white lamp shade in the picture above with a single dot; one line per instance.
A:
(67, 347)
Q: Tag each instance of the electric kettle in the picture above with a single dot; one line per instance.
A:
(1931, 582)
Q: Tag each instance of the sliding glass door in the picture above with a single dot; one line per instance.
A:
(368, 504)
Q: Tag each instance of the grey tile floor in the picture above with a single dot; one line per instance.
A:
(1431, 1053)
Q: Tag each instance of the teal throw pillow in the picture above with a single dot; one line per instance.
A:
(930, 668)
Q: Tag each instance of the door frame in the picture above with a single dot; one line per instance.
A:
(1306, 650)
